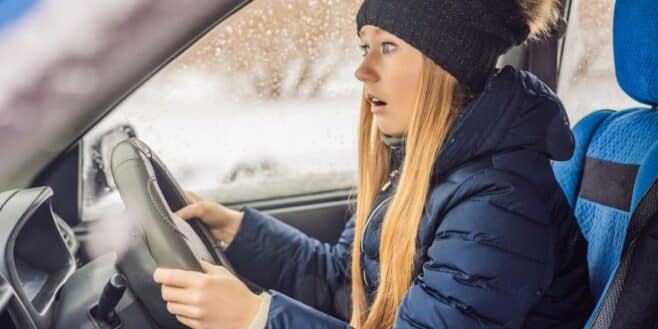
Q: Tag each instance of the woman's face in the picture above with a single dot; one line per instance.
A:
(390, 72)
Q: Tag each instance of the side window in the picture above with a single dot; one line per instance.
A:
(265, 105)
(587, 79)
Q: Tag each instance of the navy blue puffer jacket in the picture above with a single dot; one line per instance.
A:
(498, 246)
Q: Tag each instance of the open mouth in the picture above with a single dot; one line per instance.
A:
(376, 101)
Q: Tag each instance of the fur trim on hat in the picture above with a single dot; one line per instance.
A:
(541, 16)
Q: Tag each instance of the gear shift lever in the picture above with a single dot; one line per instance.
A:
(109, 299)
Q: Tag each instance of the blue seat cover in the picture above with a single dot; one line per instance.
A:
(616, 156)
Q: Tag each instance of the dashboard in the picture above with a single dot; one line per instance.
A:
(36, 261)
(41, 285)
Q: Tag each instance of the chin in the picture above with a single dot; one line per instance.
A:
(389, 129)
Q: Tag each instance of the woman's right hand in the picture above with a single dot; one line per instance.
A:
(223, 222)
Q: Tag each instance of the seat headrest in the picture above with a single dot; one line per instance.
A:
(635, 39)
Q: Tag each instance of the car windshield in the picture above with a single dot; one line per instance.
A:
(268, 98)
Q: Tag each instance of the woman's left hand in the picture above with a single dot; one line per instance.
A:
(215, 299)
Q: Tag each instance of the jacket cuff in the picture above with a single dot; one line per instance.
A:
(286, 312)
(260, 320)
(254, 247)
(247, 238)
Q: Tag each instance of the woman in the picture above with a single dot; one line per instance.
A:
(459, 220)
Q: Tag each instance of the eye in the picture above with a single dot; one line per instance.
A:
(364, 50)
(388, 47)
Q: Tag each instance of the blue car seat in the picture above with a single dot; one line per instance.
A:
(616, 156)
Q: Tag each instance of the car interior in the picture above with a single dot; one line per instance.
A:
(49, 280)
(610, 179)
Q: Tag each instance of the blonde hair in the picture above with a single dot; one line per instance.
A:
(438, 99)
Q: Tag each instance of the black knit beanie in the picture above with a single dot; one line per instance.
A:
(464, 37)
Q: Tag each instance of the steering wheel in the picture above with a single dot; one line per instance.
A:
(151, 196)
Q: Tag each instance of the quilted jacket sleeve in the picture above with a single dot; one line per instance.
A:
(279, 257)
(287, 313)
(490, 261)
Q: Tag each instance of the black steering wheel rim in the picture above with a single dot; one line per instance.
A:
(152, 196)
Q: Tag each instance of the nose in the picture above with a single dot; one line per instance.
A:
(365, 73)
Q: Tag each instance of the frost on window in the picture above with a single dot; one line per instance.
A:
(587, 81)
(265, 105)
(277, 49)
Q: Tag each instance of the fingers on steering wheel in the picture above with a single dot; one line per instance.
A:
(193, 196)
(175, 277)
(188, 322)
(177, 295)
(185, 310)
(194, 210)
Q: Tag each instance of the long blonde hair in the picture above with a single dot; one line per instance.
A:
(438, 99)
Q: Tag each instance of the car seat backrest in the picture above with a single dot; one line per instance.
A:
(635, 42)
(616, 156)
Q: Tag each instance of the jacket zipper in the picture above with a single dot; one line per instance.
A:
(363, 235)
(390, 180)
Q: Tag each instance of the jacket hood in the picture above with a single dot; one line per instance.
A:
(515, 111)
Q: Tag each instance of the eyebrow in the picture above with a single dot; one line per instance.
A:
(377, 30)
